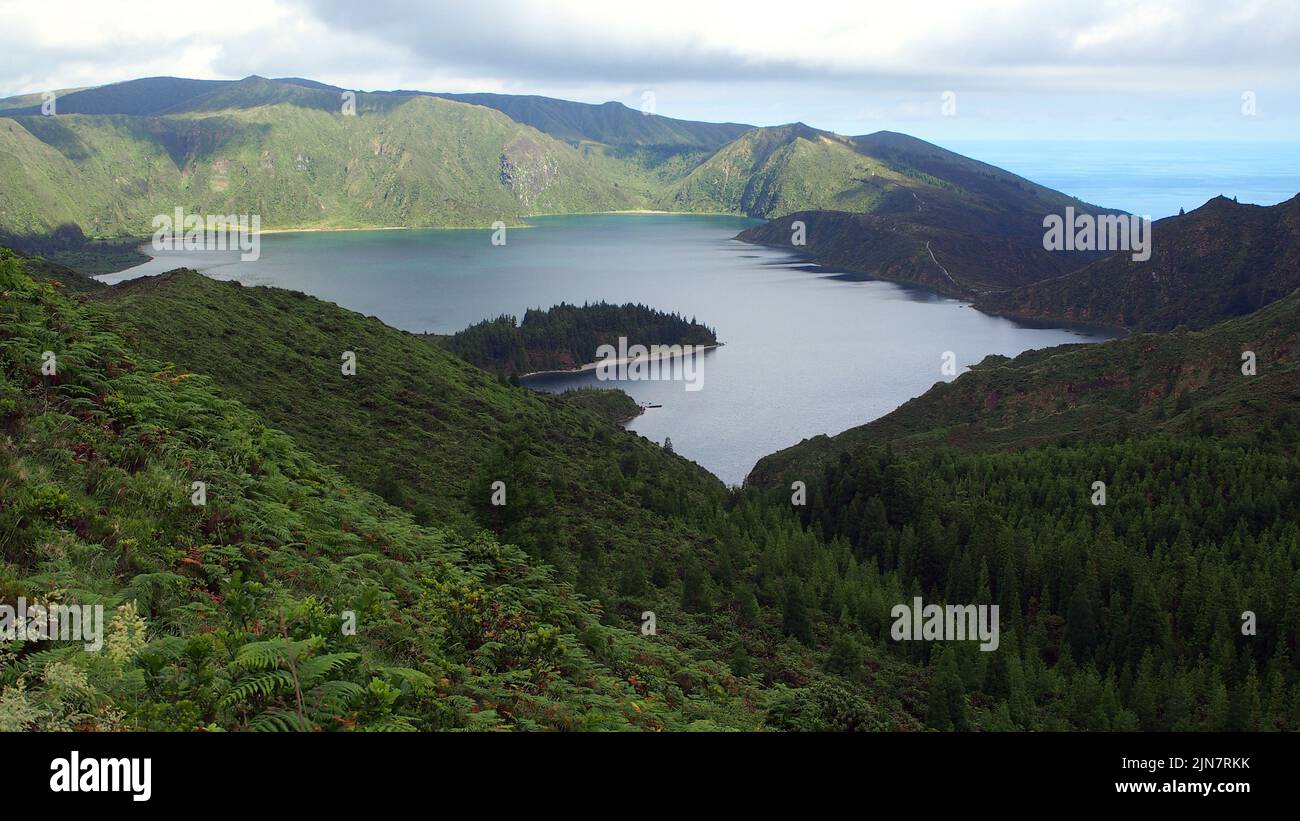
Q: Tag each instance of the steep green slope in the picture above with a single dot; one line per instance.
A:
(429, 417)
(770, 171)
(217, 614)
(43, 270)
(105, 174)
(1142, 383)
(902, 209)
(426, 162)
(1219, 261)
(450, 168)
(1173, 605)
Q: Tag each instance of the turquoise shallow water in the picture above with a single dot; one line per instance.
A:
(804, 353)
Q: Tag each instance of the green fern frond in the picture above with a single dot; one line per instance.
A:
(312, 670)
(265, 685)
(277, 720)
(390, 724)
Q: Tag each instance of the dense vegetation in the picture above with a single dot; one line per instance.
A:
(457, 629)
(529, 614)
(1122, 615)
(426, 162)
(1117, 617)
(232, 614)
(565, 337)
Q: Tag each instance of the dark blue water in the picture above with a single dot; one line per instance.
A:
(804, 353)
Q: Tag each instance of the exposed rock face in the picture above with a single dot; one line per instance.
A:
(527, 170)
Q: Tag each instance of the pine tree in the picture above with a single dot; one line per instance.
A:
(947, 696)
(794, 613)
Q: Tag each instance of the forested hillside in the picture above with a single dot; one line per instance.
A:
(1131, 507)
(1173, 606)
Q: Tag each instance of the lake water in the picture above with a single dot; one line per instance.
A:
(804, 352)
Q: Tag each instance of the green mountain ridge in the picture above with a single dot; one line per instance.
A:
(881, 204)
(427, 162)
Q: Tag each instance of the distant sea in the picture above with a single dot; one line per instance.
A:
(1148, 177)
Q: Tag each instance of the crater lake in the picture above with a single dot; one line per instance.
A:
(804, 352)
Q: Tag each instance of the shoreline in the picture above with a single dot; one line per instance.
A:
(828, 270)
(970, 299)
(591, 366)
(146, 248)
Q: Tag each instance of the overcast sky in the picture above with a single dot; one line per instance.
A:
(1097, 69)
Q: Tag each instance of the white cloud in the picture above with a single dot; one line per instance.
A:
(720, 60)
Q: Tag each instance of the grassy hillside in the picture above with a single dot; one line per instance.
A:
(426, 162)
(770, 171)
(1219, 261)
(119, 154)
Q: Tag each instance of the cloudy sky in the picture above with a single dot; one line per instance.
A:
(1099, 69)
